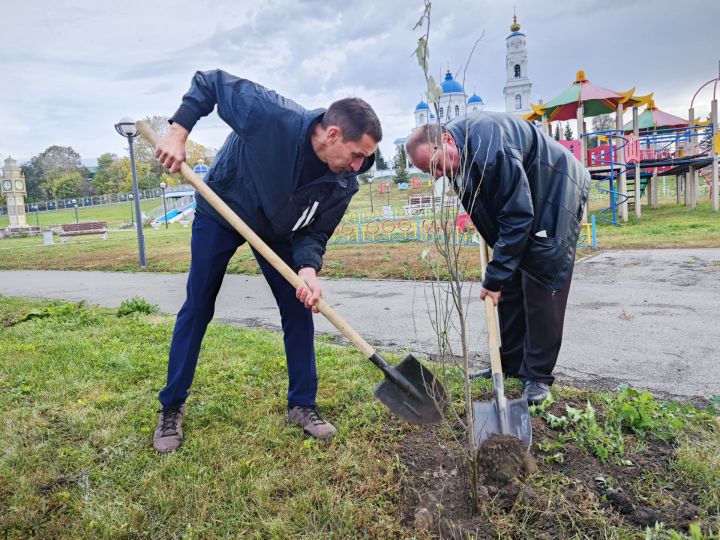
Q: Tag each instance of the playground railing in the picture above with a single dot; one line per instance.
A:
(422, 229)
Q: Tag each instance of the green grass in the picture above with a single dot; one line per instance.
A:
(115, 214)
(667, 226)
(169, 250)
(78, 390)
(78, 387)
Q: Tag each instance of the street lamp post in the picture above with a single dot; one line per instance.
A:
(163, 185)
(74, 202)
(372, 208)
(126, 128)
(132, 219)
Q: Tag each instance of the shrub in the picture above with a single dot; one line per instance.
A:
(136, 304)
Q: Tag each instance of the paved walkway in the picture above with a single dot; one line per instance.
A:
(648, 318)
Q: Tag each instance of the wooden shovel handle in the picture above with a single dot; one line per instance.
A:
(493, 338)
(256, 242)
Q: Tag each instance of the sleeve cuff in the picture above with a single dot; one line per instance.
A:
(186, 117)
(306, 265)
(492, 284)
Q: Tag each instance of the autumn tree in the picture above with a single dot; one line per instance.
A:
(45, 168)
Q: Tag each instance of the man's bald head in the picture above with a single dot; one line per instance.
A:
(432, 149)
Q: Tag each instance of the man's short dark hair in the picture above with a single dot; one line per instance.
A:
(426, 134)
(355, 117)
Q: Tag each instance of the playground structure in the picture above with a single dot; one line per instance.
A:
(179, 203)
(179, 206)
(635, 154)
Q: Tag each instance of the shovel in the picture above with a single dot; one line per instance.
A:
(499, 415)
(409, 389)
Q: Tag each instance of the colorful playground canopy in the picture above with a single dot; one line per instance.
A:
(596, 100)
(653, 118)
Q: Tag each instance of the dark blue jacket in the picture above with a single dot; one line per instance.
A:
(517, 182)
(258, 168)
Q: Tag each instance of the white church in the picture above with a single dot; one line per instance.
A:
(455, 102)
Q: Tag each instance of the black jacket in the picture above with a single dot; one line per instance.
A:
(516, 182)
(257, 170)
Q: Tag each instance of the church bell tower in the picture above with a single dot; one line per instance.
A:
(518, 85)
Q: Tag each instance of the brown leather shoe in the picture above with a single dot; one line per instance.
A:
(312, 423)
(169, 433)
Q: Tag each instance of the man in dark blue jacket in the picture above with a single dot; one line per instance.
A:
(289, 173)
(525, 194)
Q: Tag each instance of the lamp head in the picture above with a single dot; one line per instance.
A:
(126, 127)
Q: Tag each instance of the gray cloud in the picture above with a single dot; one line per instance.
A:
(74, 67)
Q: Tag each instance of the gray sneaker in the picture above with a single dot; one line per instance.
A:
(169, 433)
(312, 423)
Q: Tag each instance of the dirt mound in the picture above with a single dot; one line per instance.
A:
(519, 498)
(502, 459)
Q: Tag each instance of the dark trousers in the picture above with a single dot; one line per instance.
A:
(212, 246)
(531, 327)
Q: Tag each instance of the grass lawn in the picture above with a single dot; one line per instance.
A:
(78, 395)
(666, 226)
(169, 250)
(115, 214)
(78, 390)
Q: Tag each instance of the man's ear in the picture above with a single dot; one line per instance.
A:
(333, 133)
(447, 138)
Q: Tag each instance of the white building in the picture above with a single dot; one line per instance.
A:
(453, 102)
(518, 85)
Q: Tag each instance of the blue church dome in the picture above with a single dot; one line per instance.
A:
(200, 168)
(422, 106)
(450, 85)
(474, 99)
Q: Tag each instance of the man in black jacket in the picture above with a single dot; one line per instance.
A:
(525, 194)
(289, 173)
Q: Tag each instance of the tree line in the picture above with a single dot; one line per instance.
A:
(58, 172)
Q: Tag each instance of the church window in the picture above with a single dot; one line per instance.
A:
(457, 110)
(422, 118)
(518, 101)
(517, 71)
(441, 112)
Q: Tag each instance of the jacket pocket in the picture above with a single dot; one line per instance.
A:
(544, 259)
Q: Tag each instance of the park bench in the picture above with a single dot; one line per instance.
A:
(88, 227)
(11, 232)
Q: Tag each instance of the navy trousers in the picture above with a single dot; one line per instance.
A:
(531, 327)
(212, 246)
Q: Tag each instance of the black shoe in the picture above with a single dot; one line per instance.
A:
(536, 392)
(484, 373)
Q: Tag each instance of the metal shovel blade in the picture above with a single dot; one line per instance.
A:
(426, 400)
(514, 420)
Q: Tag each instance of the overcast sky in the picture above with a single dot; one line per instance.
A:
(71, 68)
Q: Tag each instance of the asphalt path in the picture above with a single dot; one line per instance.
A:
(647, 318)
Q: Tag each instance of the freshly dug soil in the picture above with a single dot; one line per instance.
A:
(522, 497)
(501, 459)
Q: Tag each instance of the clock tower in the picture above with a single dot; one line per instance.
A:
(12, 184)
(517, 87)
